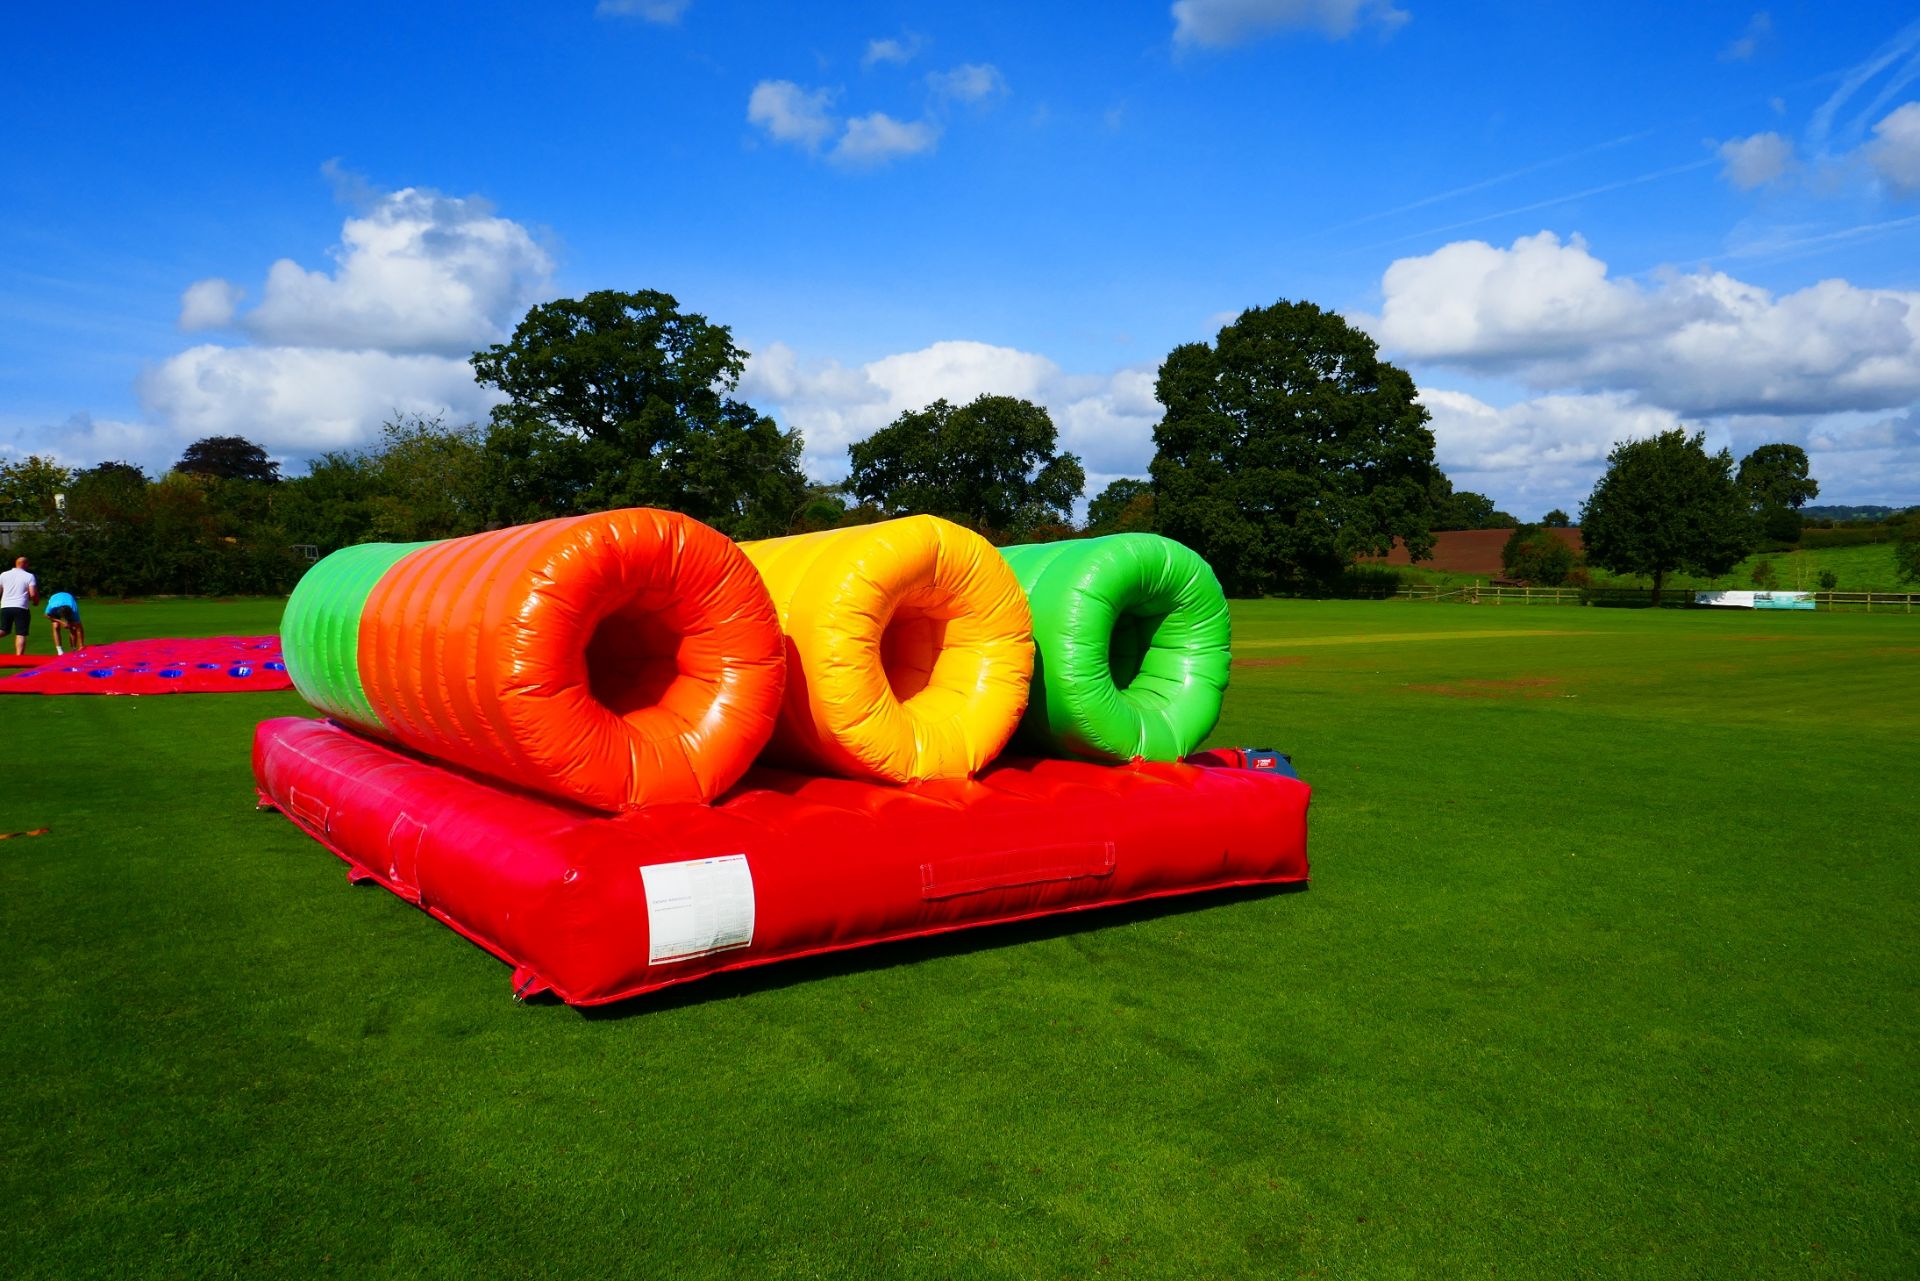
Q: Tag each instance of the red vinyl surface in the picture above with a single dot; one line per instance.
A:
(23, 660)
(807, 864)
(201, 665)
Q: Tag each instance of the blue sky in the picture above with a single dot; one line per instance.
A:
(1572, 223)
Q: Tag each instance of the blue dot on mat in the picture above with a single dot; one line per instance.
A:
(171, 673)
(276, 667)
(241, 671)
(208, 667)
(100, 673)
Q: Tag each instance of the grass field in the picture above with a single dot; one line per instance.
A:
(1610, 968)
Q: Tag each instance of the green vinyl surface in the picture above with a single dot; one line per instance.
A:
(1132, 646)
(320, 632)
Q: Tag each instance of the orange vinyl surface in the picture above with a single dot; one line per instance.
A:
(619, 659)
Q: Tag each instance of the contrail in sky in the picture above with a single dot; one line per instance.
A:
(1786, 248)
(1548, 203)
(1820, 127)
(1484, 183)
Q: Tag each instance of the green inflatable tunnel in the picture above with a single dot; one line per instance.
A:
(321, 629)
(1132, 647)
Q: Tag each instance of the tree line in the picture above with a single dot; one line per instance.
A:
(1287, 450)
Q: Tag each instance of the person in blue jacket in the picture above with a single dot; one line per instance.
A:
(63, 611)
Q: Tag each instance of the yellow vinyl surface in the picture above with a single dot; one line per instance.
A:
(909, 649)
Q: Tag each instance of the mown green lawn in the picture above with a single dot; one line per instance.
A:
(1610, 968)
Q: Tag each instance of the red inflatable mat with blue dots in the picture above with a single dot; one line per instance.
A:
(201, 665)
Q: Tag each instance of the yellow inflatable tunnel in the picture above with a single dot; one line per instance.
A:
(909, 649)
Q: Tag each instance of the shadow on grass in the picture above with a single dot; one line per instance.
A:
(868, 958)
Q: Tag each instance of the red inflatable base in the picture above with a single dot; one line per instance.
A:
(596, 907)
(198, 665)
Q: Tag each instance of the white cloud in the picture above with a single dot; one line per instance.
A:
(1535, 454)
(1107, 419)
(1895, 150)
(1867, 459)
(1744, 46)
(419, 281)
(1852, 433)
(301, 400)
(209, 304)
(968, 82)
(1219, 23)
(1756, 161)
(1700, 344)
(960, 370)
(877, 138)
(416, 272)
(891, 49)
(665, 12)
(1834, 367)
(83, 440)
(805, 118)
(1471, 300)
(790, 114)
(1540, 452)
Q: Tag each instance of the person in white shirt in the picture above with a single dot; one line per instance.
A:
(18, 591)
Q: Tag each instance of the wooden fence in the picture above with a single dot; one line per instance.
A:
(1641, 597)
(1869, 602)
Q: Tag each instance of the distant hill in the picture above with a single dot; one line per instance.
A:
(1868, 512)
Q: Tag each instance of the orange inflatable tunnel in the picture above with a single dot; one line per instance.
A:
(617, 660)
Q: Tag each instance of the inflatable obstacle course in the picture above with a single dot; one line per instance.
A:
(546, 738)
(621, 659)
(1133, 647)
(194, 665)
(598, 907)
(909, 649)
(321, 625)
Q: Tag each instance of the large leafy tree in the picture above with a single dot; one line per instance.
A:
(1666, 504)
(428, 480)
(1124, 506)
(331, 506)
(992, 464)
(1778, 476)
(1463, 508)
(424, 478)
(1533, 554)
(228, 458)
(1906, 551)
(27, 487)
(112, 474)
(1289, 448)
(622, 400)
(1777, 483)
(186, 533)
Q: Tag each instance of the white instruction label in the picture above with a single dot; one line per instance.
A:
(698, 907)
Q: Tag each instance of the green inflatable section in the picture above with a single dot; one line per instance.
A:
(320, 631)
(1131, 647)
